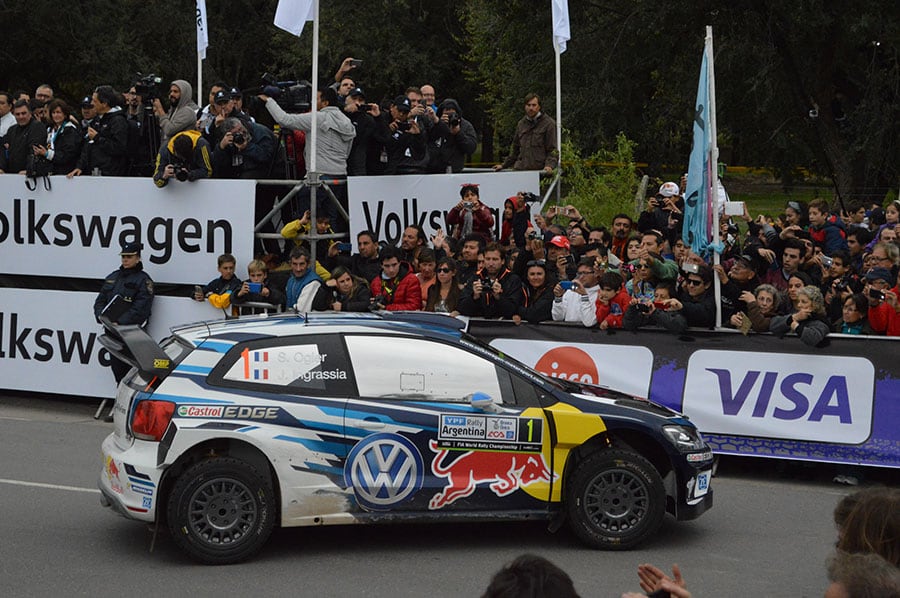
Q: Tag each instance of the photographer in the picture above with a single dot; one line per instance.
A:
(495, 291)
(405, 142)
(470, 216)
(884, 308)
(242, 153)
(181, 113)
(357, 110)
(451, 140)
(186, 157)
(106, 152)
(660, 208)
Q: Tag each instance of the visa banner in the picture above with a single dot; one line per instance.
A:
(749, 395)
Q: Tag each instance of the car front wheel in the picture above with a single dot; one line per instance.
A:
(221, 511)
(615, 500)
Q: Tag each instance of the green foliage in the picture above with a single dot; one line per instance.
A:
(602, 184)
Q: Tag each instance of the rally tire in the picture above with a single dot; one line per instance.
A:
(615, 499)
(221, 511)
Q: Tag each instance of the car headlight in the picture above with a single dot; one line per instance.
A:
(685, 439)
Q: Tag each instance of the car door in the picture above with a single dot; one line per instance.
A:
(422, 446)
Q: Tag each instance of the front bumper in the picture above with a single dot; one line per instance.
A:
(129, 479)
(687, 512)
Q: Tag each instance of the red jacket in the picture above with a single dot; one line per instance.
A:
(403, 293)
(613, 312)
(883, 319)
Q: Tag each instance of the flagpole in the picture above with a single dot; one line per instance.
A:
(199, 93)
(315, 81)
(714, 168)
(558, 121)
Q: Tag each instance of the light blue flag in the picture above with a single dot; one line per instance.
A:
(700, 195)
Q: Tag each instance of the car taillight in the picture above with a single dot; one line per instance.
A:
(151, 418)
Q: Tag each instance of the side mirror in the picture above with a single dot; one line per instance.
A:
(485, 402)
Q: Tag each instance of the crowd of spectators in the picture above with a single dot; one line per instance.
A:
(813, 270)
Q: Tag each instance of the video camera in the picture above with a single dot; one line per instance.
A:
(147, 86)
(293, 96)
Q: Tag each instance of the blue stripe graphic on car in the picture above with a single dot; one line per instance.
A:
(134, 480)
(334, 448)
(194, 369)
(190, 400)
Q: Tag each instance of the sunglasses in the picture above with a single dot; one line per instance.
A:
(641, 267)
(444, 270)
(693, 282)
(536, 263)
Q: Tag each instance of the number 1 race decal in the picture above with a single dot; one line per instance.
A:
(490, 433)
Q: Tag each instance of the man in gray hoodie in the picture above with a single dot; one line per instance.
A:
(182, 111)
(334, 139)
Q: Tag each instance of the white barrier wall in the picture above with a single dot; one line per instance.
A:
(48, 339)
(76, 229)
(386, 205)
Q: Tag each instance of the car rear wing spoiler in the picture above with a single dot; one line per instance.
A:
(131, 343)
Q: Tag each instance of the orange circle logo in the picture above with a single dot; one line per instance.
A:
(568, 363)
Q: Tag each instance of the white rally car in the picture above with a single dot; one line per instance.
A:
(229, 428)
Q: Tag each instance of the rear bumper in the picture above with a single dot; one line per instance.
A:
(129, 479)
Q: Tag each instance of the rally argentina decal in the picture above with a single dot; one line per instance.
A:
(384, 470)
(490, 433)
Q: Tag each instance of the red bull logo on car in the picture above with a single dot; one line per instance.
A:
(503, 472)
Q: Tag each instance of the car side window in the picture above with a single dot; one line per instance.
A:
(416, 368)
(309, 364)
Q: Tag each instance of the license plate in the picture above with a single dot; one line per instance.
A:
(702, 486)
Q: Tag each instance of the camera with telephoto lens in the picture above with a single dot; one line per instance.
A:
(453, 119)
(238, 139)
(376, 304)
(294, 97)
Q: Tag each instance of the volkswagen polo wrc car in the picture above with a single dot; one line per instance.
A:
(229, 428)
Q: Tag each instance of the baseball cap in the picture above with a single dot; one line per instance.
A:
(879, 274)
(669, 189)
(222, 96)
(235, 93)
(402, 103)
(131, 248)
(560, 241)
(356, 91)
(87, 102)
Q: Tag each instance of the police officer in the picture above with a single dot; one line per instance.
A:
(126, 297)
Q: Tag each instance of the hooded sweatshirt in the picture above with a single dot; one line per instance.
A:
(182, 116)
(334, 139)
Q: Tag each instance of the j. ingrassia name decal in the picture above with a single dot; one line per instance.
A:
(491, 432)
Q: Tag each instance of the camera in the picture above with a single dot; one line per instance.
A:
(238, 139)
(147, 86)
(404, 125)
(690, 268)
(468, 205)
(294, 97)
(181, 174)
(644, 308)
(842, 285)
(570, 260)
(531, 236)
(376, 304)
(827, 262)
(453, 120)
(876, 294)
(530, 197)
(363, 108)
(486, 284)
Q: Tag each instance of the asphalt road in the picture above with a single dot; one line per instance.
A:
(768, 535)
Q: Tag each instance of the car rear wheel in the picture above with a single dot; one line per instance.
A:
(221, 511)
(615, 500)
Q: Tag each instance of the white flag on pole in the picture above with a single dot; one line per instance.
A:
(202, 30)
(561, 23)
(291, 15)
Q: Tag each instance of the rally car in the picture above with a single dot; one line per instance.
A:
(229, 428)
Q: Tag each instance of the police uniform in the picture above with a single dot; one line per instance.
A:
(135, 288)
